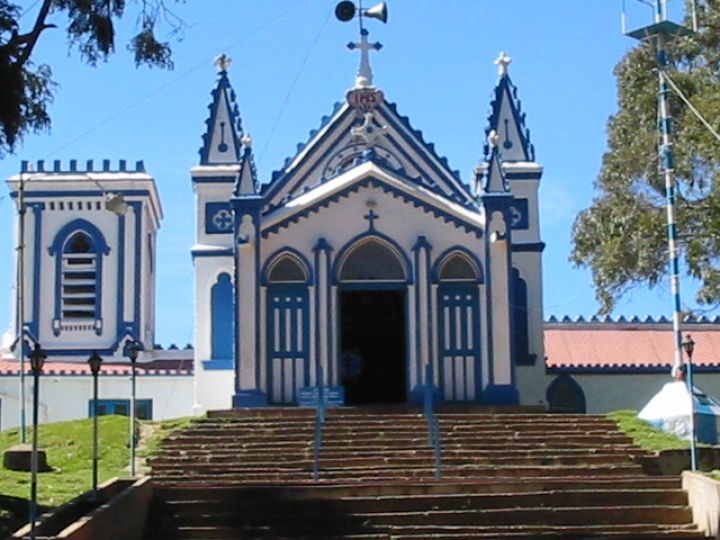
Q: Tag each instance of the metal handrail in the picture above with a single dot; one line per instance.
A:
(432, 420)
(319, 421)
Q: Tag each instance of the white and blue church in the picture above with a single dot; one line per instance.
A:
(365, 265)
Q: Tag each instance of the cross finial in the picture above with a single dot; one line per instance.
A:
(364, 75)
(222, 62)
(502, 62)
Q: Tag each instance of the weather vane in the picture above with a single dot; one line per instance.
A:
(346, 11)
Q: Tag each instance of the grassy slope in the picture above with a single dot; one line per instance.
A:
(645, 435)
(69, 452)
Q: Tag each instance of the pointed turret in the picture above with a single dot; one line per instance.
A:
(495, 182)
(221, 141)
(507, 119)
(246, 180)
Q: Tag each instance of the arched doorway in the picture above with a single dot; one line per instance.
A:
(288, 328)
(373, 323)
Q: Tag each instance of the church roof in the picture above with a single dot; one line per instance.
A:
(600, 347)
(332, 146)
(9, 367)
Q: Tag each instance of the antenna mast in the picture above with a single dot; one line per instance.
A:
(658, 35)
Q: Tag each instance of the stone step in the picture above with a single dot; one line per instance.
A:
(413, 459)
(202, 491)
(418, 503)
(356, 521)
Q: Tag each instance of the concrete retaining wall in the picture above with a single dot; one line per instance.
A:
(704, 497)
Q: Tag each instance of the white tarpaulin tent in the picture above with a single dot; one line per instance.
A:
(669, 410)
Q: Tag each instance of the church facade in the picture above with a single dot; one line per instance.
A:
(366, 264)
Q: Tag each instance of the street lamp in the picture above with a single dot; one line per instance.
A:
(132, 351)
(114, 202)
(94, 362)
(37, 360)
(689, 346)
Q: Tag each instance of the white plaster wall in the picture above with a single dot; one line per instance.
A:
(605, 393)
(214, 390)
(530, 267)
(532, 383)
(67, 397)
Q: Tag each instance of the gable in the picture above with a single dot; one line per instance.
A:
(340, 143)
(368, 175)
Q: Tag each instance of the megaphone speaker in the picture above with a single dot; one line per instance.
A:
(379, 12)
(345, 10)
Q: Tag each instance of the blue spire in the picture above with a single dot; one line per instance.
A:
(507, 120)
(221, 141)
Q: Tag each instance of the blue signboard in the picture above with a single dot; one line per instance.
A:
(333, 396)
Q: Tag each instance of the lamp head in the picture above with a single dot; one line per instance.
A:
(37, 359)
(132, 350)
(688, 345)
(115, 202)
(94, 362)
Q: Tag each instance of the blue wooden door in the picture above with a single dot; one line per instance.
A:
(459, 341)
(288, 333)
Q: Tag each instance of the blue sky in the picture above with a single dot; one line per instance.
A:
(290, 65)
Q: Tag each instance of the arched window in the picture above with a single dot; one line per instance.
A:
(287, 270)
(372, 261)
(520, 321)
(222, 318)
(564, 395)
(79, 278)
(457, 268)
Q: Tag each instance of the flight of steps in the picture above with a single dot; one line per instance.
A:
(248, 474)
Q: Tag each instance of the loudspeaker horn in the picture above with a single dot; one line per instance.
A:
(379, 12)
(345, 11)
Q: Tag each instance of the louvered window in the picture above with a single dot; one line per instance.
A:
(79, 278)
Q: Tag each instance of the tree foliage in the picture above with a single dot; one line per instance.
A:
(622, 237)
(26, 89)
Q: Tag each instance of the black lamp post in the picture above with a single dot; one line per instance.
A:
(94, 362)
(37, 360)
(132, 351)
(689, 346)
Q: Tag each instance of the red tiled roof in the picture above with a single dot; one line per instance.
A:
(625, 346)
(153, 367)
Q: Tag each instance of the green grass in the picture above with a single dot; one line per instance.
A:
(68, 446)
(645, 435)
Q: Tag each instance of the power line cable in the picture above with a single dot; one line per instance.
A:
(165, 86)
(291, 89)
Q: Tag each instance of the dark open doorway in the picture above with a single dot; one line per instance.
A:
(373, 331)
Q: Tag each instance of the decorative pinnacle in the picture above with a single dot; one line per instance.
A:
(364, 75)
(492, 139)
(222, 62)
(502, 62)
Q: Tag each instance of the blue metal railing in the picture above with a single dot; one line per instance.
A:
(432, 421)
(319, 421)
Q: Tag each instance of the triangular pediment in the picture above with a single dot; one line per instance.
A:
(344, 138)
(372, 174)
